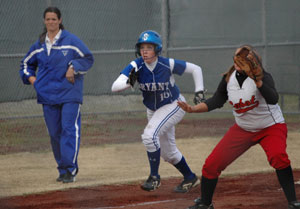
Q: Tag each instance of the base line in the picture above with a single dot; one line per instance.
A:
(140, 204)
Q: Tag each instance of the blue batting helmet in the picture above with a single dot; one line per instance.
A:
(151, 37)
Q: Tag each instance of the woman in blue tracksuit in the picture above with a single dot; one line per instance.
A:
(61, 59)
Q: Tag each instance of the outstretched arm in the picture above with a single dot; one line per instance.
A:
(201, 107)
(216, 101)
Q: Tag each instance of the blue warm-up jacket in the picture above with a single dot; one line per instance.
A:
(51, 84)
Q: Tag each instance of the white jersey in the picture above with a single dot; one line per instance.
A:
(250, 109)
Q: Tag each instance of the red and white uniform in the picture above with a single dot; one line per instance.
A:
(259, 120)
(250, 109)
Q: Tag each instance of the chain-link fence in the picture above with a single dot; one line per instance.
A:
(203, 32)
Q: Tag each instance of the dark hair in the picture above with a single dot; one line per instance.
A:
(58, 13)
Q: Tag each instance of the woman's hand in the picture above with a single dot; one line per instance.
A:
(186, 107)
(201, 107)
(70, 75)
(32, 79)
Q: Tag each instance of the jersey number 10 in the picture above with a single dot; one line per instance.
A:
(164, 95)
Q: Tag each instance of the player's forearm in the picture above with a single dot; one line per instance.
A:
(267, 89)
(120, 84)
(219, 98)
(201, 107)
(196, 71)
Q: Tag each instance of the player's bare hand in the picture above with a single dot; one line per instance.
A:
(32, 79)
(186, 107)
(70, 75)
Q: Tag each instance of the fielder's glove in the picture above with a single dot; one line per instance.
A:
(199, 97)
(133, 75)
(249, 61)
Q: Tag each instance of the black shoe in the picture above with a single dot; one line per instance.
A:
(60, 177)
(294, 205)
(68, 178)
(151, 184)
(186, 185)
(200, 205)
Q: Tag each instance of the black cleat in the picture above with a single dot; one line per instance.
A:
(186, 185)
(294, 205)
(60, 177)
(68, 178)
(200, 205)
(151, 184)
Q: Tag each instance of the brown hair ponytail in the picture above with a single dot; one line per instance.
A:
(55, 10)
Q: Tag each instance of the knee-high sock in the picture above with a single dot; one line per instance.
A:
(286, 180)
(207, 189)
(154, 160)
(184, 169)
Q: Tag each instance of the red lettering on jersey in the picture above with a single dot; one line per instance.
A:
(242, 107)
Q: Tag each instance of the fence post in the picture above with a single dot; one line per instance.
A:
(165, 26)
(282, 101)
(299, 102)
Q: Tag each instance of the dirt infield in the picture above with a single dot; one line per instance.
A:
(110, 177)
(253, 191)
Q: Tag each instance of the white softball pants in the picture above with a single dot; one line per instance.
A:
(160, 131)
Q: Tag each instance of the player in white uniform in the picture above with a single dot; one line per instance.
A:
(259, 120)
(154, 75)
